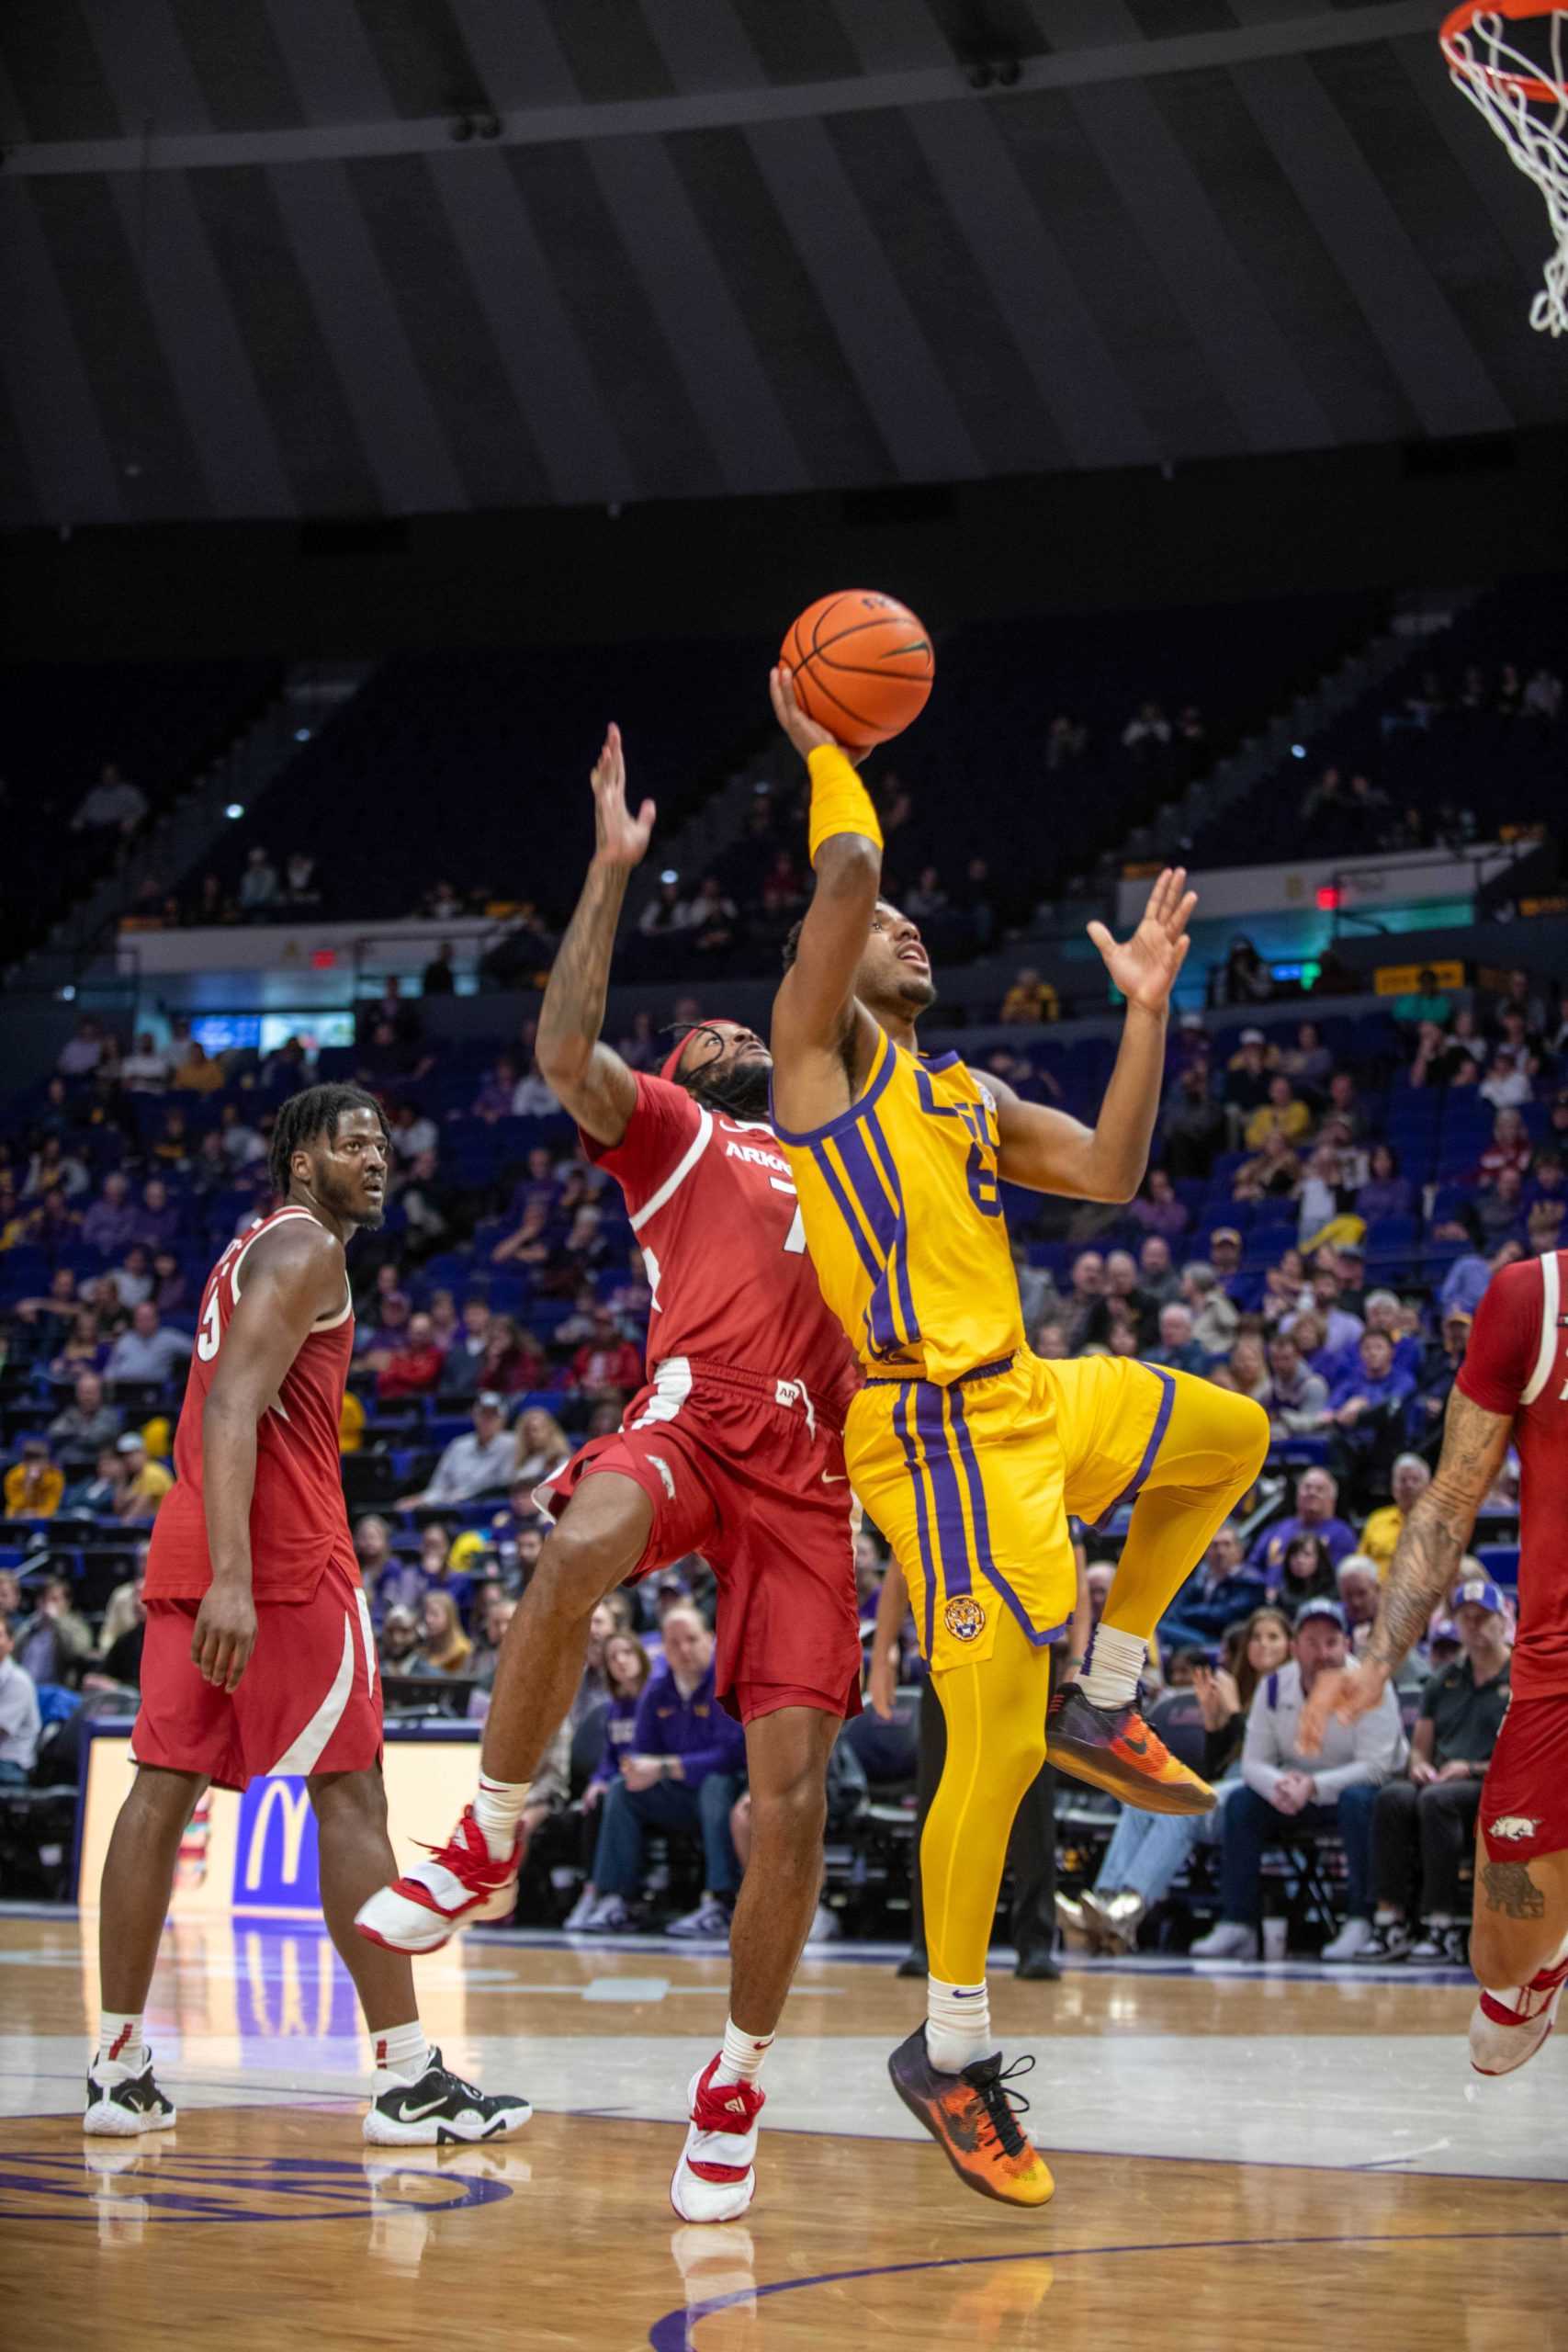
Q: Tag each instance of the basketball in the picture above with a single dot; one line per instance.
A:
(862, 665)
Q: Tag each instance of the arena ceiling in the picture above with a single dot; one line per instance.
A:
(349, 257)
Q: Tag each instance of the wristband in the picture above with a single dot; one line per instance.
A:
(839, 801)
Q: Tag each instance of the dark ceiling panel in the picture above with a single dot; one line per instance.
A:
(424, 58)
(1165, 369)
(238, 64)
(832, 427)
(135, 394)
(448, 333)
(626, 346)
(1166, 19)
(988, 31)
(931, 258)
(52, 62)
(801, 42)
(320, 448)
(1338, 356)
(1454, 237)
(610, 49)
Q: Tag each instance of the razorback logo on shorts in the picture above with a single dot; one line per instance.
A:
(964, 1618)
(1512, 1824)
(665, 1473)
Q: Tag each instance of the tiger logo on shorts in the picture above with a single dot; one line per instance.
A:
(964, 1618)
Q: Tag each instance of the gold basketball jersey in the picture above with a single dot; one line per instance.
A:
(903, 1217)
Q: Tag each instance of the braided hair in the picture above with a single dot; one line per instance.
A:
(315, 1111)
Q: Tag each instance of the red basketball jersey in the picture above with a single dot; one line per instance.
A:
(299, 1519)
(713, 1204)
(1517, 1363)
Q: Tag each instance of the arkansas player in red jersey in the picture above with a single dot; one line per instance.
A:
(259, 1656)
(734, 1450)
(1513, 1385)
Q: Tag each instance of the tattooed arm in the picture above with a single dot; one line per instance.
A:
(592, 1081)
(1426, 1565)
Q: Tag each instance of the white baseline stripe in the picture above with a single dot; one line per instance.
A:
(673, 1182)
(1551, 1301)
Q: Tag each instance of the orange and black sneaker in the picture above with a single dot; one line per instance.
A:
(1113, 1747)
(973, 2118)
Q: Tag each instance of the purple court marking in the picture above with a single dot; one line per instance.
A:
(672, 2333)
(209, 2181)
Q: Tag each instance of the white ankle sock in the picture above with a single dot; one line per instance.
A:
(498, 1809)
(1115, 1661)
(121, 2042)
(741, 2060)
(958, 2024)
(402, 2049)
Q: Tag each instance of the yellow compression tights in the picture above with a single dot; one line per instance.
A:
(1212, 1449)
(994, 1713)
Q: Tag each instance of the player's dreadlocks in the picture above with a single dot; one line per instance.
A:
(317, 1110)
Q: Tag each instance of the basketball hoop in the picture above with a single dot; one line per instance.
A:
(1523, 97)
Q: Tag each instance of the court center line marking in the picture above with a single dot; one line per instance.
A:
(672, 2331)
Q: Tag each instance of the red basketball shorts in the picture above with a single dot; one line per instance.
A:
(309, 1698)
(1524, 1798)
(745, 1471)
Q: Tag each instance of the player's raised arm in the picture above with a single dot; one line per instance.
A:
(1425, 1563)
(294, 1275)
(592, 1081)
(1052, 1153)
(815, 1004)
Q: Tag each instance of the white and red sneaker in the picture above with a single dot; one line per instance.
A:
(715, 2179)
(1505, 2033)
(459, 1885)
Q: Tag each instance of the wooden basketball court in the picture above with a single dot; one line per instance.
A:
(1242, 2157)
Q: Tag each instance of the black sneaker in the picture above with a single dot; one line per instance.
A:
(1037, 1967)
(121, 2105)
(1434, 1948)
(1389, 1940)
(914, 1963)
(441, 2106)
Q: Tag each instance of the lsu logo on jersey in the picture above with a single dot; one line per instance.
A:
(1512, 1824)
(964, 1618)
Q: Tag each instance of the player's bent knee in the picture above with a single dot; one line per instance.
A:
(577, 1567)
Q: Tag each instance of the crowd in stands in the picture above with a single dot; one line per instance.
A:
(1325, 1212)
(1328, 1204)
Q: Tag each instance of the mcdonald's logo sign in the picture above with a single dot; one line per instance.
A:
(275, 1857)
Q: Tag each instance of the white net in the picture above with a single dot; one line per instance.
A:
(1524, 99)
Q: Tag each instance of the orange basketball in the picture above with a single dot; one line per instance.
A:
(862, 665)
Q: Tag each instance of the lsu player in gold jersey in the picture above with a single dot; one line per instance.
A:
(965, 1450)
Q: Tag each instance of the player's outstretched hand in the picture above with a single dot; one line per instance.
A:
(225, 1635)
(1343, 1691)
(1144, 966)
(803, 732)
(621, 838)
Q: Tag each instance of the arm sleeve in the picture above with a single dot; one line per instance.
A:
(1261, 1766)
(446, 1479)
(663, 1126)
(1504, 1338)
(724, 1753)
(1379, 1752)
(645, 1729)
